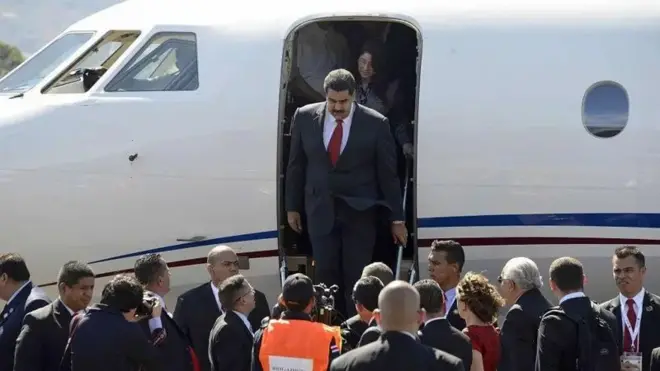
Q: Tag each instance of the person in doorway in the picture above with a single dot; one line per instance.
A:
(637, 310)
(446, 262)
(342, 158)
(377, 92)
(197, 309)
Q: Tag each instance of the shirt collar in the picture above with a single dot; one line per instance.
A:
(65, 306)
(572, 295)
(18, 291)
(409, 334)
(434, 319)
(639, 299)
(244, 318)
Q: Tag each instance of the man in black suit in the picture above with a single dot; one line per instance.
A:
(40, 345)
(399, 315)
(152, 272)
(437, 332)
(446, 261)
(107, 338)
(342, 158)
(641, 308)
(21, 297)
(365, 297)
(558, 345)
(232, 336)
(520, 284)
(354, 327)
(197, 309)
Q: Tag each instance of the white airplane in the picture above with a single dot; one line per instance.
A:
(536, 129)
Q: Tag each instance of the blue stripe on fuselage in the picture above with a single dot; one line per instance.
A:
(613, 220)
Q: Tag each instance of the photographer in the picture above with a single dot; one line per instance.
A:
(107, 337)
(294, 339)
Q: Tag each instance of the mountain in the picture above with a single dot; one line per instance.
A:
(30, 24)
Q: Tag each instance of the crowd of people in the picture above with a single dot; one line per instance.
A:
(446, 322)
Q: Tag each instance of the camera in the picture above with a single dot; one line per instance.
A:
(147, 306)
(325, 303)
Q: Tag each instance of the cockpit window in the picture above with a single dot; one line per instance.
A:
(30, 73)
(168, 62)
(83, 74)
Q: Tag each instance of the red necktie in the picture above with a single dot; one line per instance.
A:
(632, 320)
(334, 146)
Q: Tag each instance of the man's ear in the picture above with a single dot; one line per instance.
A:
(377, 316)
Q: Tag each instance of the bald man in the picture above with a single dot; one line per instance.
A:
(197, 309)
(399, 316)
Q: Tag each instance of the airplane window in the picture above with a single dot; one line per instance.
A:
(43, 63)
(168, 62)
(89, 68)
(605, 109)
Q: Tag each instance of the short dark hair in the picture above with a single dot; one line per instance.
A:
(123, 293)
(623, 252)
(366, 291)
(340, 80)
(454, 253)
(148, 268)
(379, 270)
(72, 272)
(230, 290)
(431, 296)
(567, 274)
(14, 266)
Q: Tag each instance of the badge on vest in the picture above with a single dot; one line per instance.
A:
(277, 363)
(631, 361)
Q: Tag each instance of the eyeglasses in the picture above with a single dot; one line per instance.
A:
(251, 291)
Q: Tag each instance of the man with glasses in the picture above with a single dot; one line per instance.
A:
(230, 344)
(197, 309)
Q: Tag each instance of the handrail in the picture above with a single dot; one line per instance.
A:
(399, 258)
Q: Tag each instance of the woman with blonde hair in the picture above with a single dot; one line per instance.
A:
(478, 304)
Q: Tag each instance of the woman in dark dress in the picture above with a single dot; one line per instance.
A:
(478, 304)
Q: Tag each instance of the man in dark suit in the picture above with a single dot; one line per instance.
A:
(354, 327)
(152, 272)
(640, 307)
(437, 332)
(342, 158)
(40, 345)
(446, 261)
(232, 336)
(399, 315)
(365, 297)
(520, 282)
(558, 345)
(21, 297)
(107, 338)
(197, 309)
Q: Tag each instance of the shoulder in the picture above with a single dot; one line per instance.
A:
(310, 108)
(372, 113)
(36, 299)
(608, 305)
(39, 314)
(653, 298)
(444, 357)
(460, 334)
(655, 354)
(259, 295)
(194, 292)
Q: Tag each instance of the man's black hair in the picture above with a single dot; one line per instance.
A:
(626, 251)
(230, 290)
(567, 274)
(122, 293)
(148, 268)
(454, 253)
(340, 80)
(14, 266)
(72, 272)
(430, 295)
(379, 270)
(366, 291)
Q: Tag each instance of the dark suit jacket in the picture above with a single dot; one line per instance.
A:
(396, 351)
(43, 337)
(230, 344)
(439, 334)
(352, 330)
(557, 348)
(366, 168)
(173, 351)
(26, 300)
(454, 318)
(649, 338)
(106, 341)
(196, 312)
(371, 334)
(519, 330)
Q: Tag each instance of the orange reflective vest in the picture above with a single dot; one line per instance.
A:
(297, 345)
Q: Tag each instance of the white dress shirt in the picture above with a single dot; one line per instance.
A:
(637, 307)
(331, 123)
(450, 297)
(572, 295)
(216, 290)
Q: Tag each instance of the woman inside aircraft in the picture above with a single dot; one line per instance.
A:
(374, 89)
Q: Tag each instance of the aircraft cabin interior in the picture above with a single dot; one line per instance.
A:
(393, 54)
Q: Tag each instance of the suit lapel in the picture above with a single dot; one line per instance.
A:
(232, 317)
(16, 302)
(648, 310)
(61, 315)
(211, 302)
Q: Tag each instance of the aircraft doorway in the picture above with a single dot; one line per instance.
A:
(386, 51)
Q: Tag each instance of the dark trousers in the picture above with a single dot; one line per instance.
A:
(341, 254)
